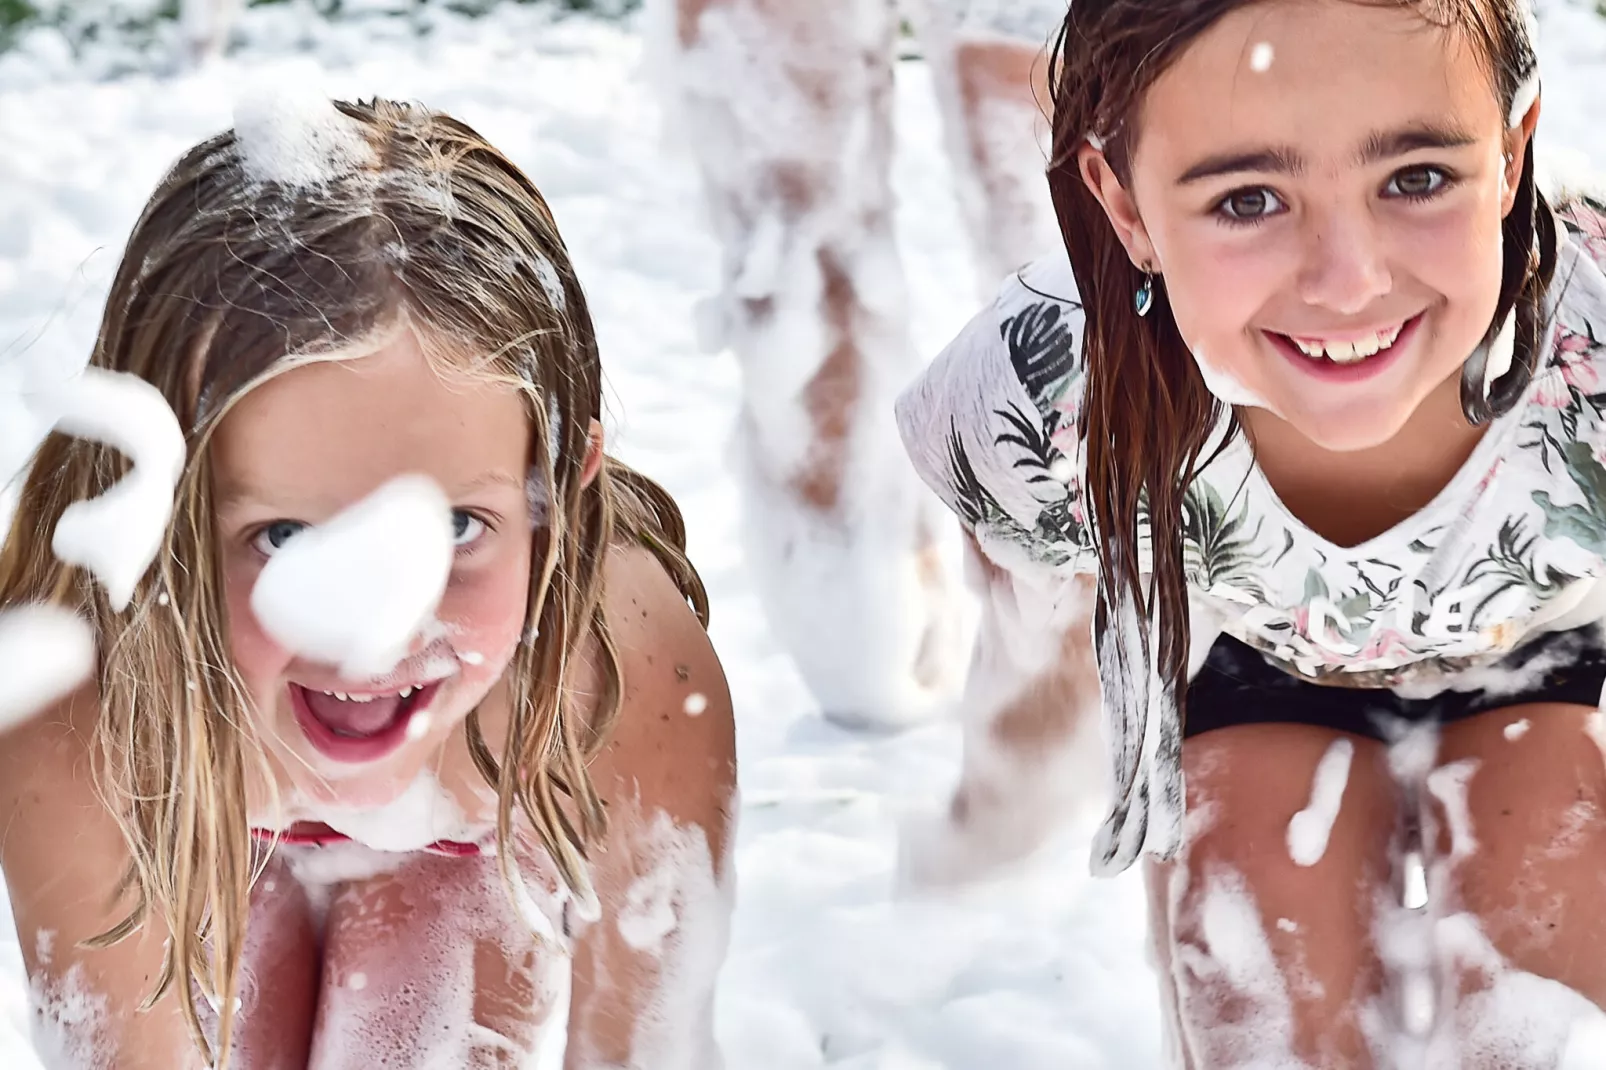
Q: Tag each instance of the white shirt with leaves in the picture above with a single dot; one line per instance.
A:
(1513, 545)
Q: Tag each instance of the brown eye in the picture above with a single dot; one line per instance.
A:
(1417, 182)
(1249, 205)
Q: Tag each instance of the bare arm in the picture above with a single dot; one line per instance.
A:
(644, 973)
(63, 857)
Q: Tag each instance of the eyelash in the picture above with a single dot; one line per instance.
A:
(1447, 179)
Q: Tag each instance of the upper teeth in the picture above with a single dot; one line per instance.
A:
(342, 696)
(1351, 351)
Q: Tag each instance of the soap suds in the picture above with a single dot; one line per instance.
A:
(1309, 830)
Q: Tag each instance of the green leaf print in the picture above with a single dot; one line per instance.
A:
(1215, 547)
(1511, 562)
(1584, 524)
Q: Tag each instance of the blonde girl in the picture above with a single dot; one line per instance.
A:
(221, 852)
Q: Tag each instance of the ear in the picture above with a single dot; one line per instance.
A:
(1518, 143)
(593, 463)
(1118, 205)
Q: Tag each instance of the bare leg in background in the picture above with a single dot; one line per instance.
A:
(787, 108)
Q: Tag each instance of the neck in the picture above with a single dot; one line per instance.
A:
(1350, 497)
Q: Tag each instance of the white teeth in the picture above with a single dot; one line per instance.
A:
(342, 696)
(1349, 352)
(363, 698)
(406, 691)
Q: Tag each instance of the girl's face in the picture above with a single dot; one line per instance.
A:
(314, 441)
(1320, 184)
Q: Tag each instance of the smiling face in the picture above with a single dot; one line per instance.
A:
(316, 440)
(1321, 185)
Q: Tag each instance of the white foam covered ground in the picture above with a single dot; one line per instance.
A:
(827, 967)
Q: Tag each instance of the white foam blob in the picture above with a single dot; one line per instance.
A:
(696, 704)
(1448, 784)
(1516, 729)
(355, 591)
(297, 137)
(678, 912)
(1288, 925)
(1414, 894)
(1224, 385)
(1062, 469)
(421, 723)
(357, 981)
(416, 818)
(117, 535)
(1309, 830)
(472, 657)
(69, 1022)
(45, 652)
(1260, 57)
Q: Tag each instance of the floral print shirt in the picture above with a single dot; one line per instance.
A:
(1514, 544)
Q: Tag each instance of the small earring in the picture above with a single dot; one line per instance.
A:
(1143, 300)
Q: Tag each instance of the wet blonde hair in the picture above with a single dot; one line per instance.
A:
(229, 278)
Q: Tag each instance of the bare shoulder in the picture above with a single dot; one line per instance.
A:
(675, 716)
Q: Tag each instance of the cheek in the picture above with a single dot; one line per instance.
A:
(484, 612)
(258, 659)
(1458, 256)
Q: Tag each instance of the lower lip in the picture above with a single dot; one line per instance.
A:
(1332, 372)
(356, 750)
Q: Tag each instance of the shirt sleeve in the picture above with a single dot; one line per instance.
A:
(990, 426)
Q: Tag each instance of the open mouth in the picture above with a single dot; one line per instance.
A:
(360, 727)
(1348, 359)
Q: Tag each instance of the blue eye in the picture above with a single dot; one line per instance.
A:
(272, 538)
(466, 528)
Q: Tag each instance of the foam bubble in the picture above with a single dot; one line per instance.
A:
(297, 138)
(1309, 830)
(696, 704)
(45, 652)
(1516, 729)
(1260, 57)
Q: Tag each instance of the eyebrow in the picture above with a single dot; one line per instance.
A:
(235, 495)
(1379, 145)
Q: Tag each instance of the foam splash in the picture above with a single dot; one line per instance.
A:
(297, 138)
(1516, 729)
(1448, 784)
(117, 535)
(677, 913)
(1223, 959)
(419, 816)
(1260, 57)
(1309, 830)
(69, 1023)
(355, 591)
(45, 653)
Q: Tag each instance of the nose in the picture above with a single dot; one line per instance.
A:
(1344, 266)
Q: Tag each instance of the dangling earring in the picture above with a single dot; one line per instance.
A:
(1143, 300)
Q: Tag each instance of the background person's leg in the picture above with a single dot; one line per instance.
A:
(787, 109)
(989, 63)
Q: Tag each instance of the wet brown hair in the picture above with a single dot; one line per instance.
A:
(228, 279)
(1148, 416)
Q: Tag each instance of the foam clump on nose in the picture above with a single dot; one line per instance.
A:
(45, 652)
(297, 138)
(355, 591)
